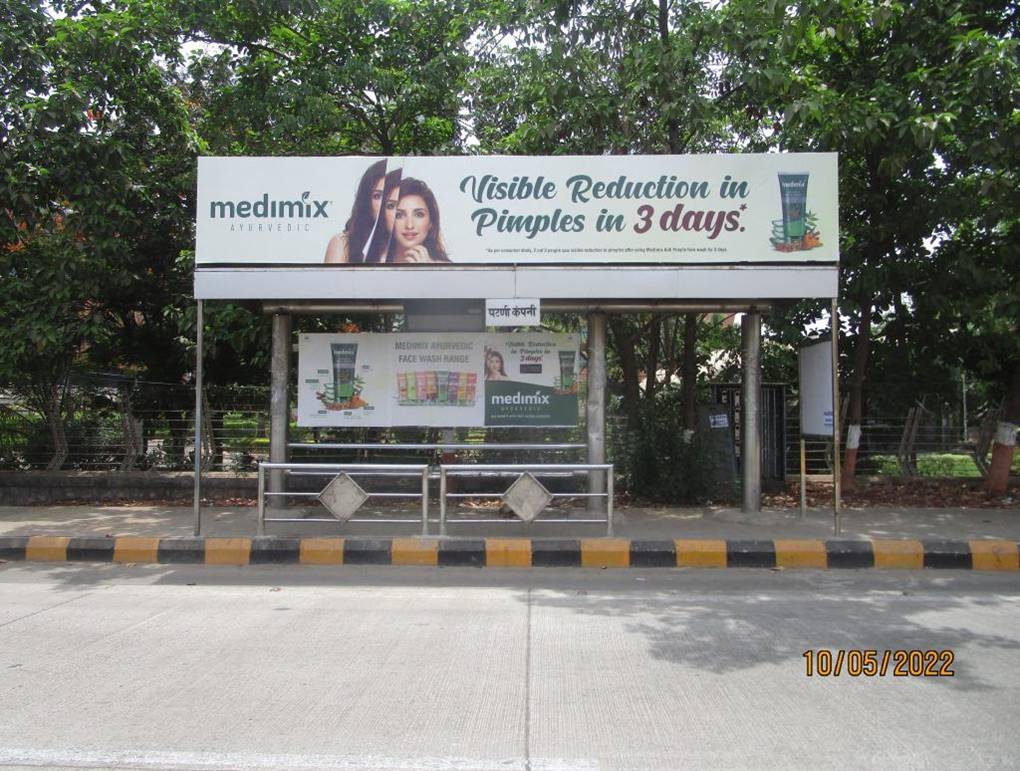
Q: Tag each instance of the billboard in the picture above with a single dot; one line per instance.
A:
(497, 210)
(445, 379)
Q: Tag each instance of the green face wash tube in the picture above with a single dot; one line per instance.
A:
(412, 387)
(567, 369)
(444, 386)
(793, 194)
(344, 357)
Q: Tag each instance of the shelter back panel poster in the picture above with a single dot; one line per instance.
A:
(443, 380)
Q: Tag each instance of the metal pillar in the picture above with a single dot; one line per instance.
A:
(199, 324)
(750, 411)
(837, 515)
(279, 405)
(595, 410)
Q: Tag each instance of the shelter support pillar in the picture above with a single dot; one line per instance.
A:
(750, 412)
(279, 404)
(596, 407)
(199, 364)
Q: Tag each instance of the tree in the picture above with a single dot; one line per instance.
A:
(969, 296)
(869, 79)
(50, 322)
(616, 77)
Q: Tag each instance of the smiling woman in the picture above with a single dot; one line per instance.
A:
(416, 235)
(349, 245)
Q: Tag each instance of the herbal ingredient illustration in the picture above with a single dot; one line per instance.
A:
(342, 397)
(797, 231)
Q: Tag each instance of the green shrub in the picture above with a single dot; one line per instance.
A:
(659, 466)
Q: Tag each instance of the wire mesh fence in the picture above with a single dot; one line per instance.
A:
(132, 425)
(920, 442)
(152, 426)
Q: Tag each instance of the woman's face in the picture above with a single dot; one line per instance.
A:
(494, 363)
(377, 194)
(413, 221)
(390, 212)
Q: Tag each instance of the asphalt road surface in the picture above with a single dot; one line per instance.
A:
(157, 667)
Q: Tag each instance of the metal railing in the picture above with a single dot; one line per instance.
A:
(602, 471)
(435, 446)
(351, 469)
(499, 470)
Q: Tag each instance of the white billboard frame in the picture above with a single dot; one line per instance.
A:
(267, 226)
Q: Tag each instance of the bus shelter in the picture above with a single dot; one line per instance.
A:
(470, 244)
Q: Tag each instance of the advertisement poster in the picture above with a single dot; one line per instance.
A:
(438, 379)
(652, 209)
(816, 389)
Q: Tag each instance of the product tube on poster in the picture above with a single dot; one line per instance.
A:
(472, 385)
(453, 383)
(432, 386)
(344, 357)
(567, 369)
(793, 194)
(412, 387)
(422, 385)
(401, 388)
(444, 387)
(462, 388)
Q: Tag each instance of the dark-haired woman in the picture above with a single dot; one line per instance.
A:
(494, 369)
(378, 248)
(416, 237)
(349, 246)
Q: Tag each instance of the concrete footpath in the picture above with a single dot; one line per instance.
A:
(985, 539)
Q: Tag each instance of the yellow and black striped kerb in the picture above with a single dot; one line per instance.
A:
(607, 553)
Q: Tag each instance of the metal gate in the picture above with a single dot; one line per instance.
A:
(773, 424)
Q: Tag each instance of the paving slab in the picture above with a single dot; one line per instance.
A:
(636, 523)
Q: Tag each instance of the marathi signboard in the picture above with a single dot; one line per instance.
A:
(513, 312)
(439, 379)
(346, 211)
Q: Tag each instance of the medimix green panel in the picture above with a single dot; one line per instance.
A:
(508, 403)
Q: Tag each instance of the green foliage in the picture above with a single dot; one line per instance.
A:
(105, 106)
(49, 311)
(655, 462)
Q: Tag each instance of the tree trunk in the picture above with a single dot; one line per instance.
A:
(129, 430)
(690, 374)
(624, 345)
(654, 340)
(1004, 445)
(856, 411)
(55, 418)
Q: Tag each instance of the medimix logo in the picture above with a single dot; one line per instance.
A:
(264, 208)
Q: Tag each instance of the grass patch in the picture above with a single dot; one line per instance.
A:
(937, 464)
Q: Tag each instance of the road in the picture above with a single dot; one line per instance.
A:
(159, 667)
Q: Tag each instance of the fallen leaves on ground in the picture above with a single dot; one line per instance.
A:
(901, 492)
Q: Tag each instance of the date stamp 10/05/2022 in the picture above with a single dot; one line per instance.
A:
(854, 662)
